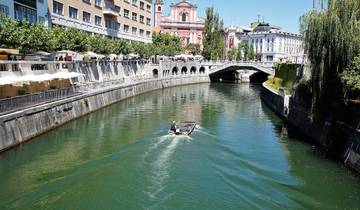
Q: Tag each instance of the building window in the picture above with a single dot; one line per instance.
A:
(134, 16)
(87, 1)
(98, 20)
(98, 3)
(134, 2)
(86, 17)
(148, 21)
(4, 10)
(148, 34)
(148, 8)
(58, 8)
(41, 1)
(142, 18)
(183, 17)
(142, 5)
(41, 20)
(134, 30)
(73, 12)
(126, 29)
(117, 26)
(25, 13)
(126, 13)
(141, 32)
(108, 23)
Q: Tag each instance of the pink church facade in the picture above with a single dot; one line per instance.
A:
(182, 22)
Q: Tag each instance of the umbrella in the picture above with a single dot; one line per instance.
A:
(133, 55)
(91, 54)
(42, 53)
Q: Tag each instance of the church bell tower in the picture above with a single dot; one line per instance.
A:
(159, 11)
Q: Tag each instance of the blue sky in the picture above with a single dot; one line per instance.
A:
(283, 13)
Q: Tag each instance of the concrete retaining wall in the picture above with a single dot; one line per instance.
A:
(338, 139)
(21, 126)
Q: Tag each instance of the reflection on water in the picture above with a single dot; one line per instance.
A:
(240, 156)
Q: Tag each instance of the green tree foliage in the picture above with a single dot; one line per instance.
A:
(194, 49)
(247, 50)
(232, 54)
(332, 40)
(351, 79)
(251, 52)
(10, 33)
(214, 44)
(166, 44)
(239, 53)
(74, 39)
(33, 37)
(121, 47)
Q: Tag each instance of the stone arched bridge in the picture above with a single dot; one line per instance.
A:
(220, 68)
(212, 68)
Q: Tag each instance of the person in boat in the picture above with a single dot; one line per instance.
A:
(173, 127)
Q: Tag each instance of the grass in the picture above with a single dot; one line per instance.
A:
(275, 84)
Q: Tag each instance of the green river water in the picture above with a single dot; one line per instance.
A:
(240, 157)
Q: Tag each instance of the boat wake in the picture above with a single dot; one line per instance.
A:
(161, 167)
(203, 131)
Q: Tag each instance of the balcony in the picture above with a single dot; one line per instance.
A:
(111, 9)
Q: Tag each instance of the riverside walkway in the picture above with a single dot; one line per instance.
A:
(101, 74)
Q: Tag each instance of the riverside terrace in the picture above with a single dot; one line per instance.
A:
(27, 83)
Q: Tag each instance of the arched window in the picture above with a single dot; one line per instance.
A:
(183, 17)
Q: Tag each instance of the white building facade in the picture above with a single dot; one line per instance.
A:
(270, 43)
(33, 11)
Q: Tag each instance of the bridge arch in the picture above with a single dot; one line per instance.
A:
(184, 70)
(258, 77)
(175, 70)
(193, 70)
(202, 70)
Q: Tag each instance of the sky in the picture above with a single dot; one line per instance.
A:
(283, 13)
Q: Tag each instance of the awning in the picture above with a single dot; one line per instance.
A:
(9, 51)
(38, 78)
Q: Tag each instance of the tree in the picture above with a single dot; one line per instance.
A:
(103, 45)
(76, 40)
(351, 79)
(214, 44)
(56, 35)
(251, 52)
(239, 53)
(232, 54)
(33, 37)
(194, 49)
(166, 44)
(332, 40)
(248, 51)
(11, 32)
(121, 47)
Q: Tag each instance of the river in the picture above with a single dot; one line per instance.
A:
(241, 156)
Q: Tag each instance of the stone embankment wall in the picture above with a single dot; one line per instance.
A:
(101, 86)
(337, 138)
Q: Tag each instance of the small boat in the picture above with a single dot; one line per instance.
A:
(184, 128)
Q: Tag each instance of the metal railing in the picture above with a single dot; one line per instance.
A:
(18, 102)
